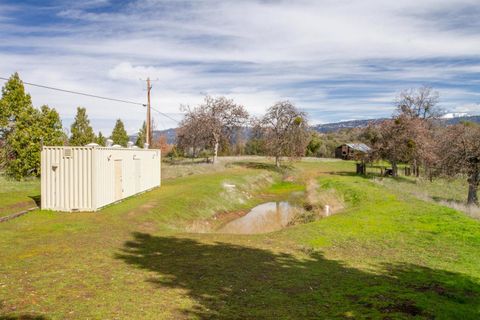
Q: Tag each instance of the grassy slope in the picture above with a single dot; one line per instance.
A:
(384, 256)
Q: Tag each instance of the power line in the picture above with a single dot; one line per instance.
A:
(161, 123)
(95, 96)
(165, 115)
(80, 93)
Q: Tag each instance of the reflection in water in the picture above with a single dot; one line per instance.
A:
(267, 217)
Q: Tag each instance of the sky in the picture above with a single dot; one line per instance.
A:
(335, 59)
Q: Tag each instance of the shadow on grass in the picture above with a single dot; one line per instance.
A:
(449, 200)
(186, 161)
(22, 317)
(37, 199)
(371, 175)
(228, 281)
(262, 166)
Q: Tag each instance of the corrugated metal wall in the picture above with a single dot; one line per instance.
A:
(85, 178)
(140, 171)
(66, 178)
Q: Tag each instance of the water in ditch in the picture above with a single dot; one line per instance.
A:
(266, 217)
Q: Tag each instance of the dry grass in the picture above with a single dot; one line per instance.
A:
(188, 167)
(471, 210)
(318, 197)
(446, 192)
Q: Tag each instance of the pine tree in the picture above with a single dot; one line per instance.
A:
(42, 127)
(119, 135)
(101, 140)
(16, 114)
(51, 127)
(24, 129)
(23, 145)
(81, 131)
(14, 102)
(142, 136)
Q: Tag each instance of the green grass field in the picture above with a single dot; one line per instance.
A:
(387, 255)
(15, 196)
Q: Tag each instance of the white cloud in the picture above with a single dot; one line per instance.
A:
(470, 108)
(335, 59)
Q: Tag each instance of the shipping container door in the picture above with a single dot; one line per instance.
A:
(138, 175)
(56, 187)
(118, 180)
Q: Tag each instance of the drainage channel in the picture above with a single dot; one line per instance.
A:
(16, 215)
(266, 217)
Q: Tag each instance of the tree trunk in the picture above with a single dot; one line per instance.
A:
(215, 154)
(394, 169)
(277, 161)
(416, 171)
(473, 182)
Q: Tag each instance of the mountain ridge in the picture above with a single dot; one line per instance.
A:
(351, 124)
(323, 128)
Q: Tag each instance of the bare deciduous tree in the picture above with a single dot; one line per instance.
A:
(217, 119)
(403, 140)
(285, 130)
(190, 134)
(408, 137)
(419, 103)
(459, 153)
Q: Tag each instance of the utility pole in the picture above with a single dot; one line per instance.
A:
(149, 123)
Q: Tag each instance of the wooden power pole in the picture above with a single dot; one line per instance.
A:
(149, 123)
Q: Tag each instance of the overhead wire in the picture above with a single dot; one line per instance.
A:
(165, 115)
(160, 123)
(79, 93)
(96, 96)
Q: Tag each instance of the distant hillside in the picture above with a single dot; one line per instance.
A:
(336, 126)
(324, 128)
(170, 133)
(465, 118)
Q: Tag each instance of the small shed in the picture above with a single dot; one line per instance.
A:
(352, 151)
(90, 177)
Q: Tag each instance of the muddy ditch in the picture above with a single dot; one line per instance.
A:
(294, 208)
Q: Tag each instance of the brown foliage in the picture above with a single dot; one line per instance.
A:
(162, 143)
(207, 125)
(459, 153)
(403, 140)
(410, 136)
(285, 131)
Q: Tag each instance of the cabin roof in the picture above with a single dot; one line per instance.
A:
(362, 147)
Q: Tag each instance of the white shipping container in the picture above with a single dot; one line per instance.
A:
(88, 178)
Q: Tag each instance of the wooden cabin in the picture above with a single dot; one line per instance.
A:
(352, 151)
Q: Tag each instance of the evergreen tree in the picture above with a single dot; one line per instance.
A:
(13, 103)
(142, 135)
(23, 129)
(119, 135)
(81, 131)
(101, 140)
(16, 113)
(51, 130)
(42, 127)
(23, 145)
